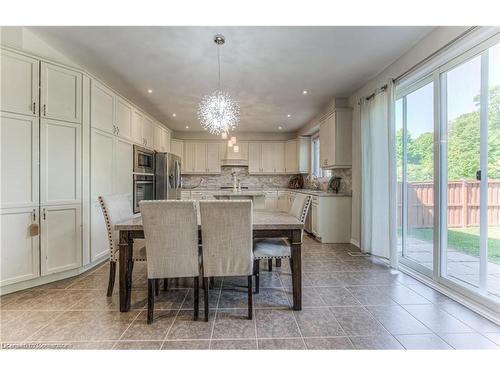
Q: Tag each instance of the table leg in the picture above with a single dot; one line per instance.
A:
(296, 248)
(126, 244)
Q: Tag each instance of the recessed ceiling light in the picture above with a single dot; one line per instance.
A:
(150, 91)
(174, 115)
(289, 115)
(304, 92)
(280, 127)
(187, 127)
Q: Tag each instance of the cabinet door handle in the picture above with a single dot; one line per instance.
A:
(34, 214)
(44, 214)
(44, 109)
(34, 108)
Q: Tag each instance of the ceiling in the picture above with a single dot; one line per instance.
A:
(264, 68)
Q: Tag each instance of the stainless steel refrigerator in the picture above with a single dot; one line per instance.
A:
(167, 176)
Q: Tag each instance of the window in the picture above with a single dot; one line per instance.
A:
(316, 170)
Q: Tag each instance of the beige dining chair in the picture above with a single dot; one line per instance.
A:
(226, 232)
(279, 248)
(171, 234)
(117, 208)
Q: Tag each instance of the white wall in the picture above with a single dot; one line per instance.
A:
(425, 47)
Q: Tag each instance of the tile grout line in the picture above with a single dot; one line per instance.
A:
(175, 318)
(126, 329)
(216, 309)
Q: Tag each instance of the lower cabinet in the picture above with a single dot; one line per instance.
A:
(283, 202)
(314, 218)
(271, 200)
(20, 255)
(60, 236)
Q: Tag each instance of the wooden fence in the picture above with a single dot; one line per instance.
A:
(463, 204)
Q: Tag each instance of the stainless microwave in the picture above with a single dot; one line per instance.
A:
(144, 160)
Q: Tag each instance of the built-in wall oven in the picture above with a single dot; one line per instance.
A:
(144, 189)
(144, 178)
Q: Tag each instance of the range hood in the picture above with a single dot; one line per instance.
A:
(236, 159)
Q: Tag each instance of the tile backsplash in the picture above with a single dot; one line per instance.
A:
(260, 181)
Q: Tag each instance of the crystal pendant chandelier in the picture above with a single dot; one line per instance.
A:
(218, 113)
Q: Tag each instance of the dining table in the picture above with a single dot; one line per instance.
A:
(265, 224)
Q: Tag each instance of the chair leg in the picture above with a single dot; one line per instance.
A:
(205, 296)
(157, 287)
(196, 290)
(151, 299)
(250, 297)
(256, 272)
(270, 265)
(130, 269)
(165, 284)
(212, 282)
(278, 262)
(112, 275)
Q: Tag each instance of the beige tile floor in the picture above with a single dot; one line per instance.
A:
(348, 303)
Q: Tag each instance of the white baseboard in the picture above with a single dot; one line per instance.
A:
(460, 298)
(354, 242)
(49, 278)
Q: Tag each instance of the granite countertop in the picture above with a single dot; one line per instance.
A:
(258, 191)
(243, 193)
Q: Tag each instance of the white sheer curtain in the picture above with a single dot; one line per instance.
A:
(378, 176)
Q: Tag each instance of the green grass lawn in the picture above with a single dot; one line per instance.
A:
(466, 240)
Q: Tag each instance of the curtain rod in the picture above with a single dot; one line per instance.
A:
(369, 97)
(432, 55)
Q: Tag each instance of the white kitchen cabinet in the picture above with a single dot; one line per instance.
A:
(177, 148)
(101, 160)
(20, 255)
(123, 118)
(60, 235)
(212, 158)
(162, 139)
(19, 157)
(315, 218)
(291, 157)
(266, 157)
(148, 130)
(60, 162)
(19, 76)
(60, 93)
(111, 173)
(137, 125)
(335, 139)
(331, 218)
(303, 154)
(101, 107)
(254, 157)
(201, 158)
(123, 164)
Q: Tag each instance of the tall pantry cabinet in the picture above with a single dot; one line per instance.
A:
(40, 153)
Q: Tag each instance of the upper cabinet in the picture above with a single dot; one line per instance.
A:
(335, 139)
(101, 107)
(177, 147)
(201, 158)
(298, 155)
(148, 130)
(137, 124)
(123, 118)
(60, 93)
(266, 157)
(161, 139)
(20, 80)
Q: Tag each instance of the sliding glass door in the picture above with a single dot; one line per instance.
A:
(415, 139)
(448, 159)
(470, 176)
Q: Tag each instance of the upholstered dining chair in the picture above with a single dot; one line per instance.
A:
(279, 248)
(171, 234)
(116, 208)
(226, 232)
